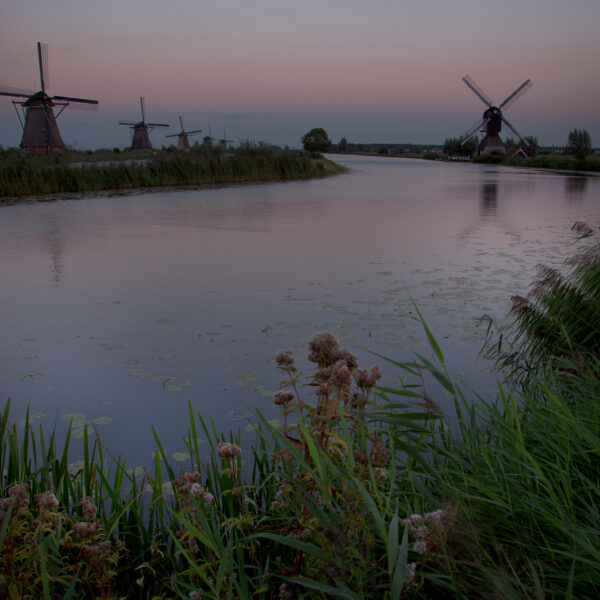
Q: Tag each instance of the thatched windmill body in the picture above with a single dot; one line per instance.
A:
(491, 125)
(183, 143)
(40, 130)
(141, 130)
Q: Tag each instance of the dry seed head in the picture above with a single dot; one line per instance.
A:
(227, 450)
(46, 501)
(340, 373)
(89, 508)
(284, 358)
(283, 397)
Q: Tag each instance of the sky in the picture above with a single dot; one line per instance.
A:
(385, 71)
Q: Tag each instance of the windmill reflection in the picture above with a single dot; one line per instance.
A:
(488, 214)
(489, 201)
(575, 188)
(52, 242)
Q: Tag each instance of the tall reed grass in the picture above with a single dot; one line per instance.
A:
(53, 174)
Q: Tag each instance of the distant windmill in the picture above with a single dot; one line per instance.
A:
(183, 143)
(223, 141)
(141, 130)
(40, 131)
(493, 118)
(208, 139)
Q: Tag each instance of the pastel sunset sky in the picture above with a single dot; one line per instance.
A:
(370, 71)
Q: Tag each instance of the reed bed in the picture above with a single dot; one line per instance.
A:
(74, 173)
(563, 162)
(366, 490)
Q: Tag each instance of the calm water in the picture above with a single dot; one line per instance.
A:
(127, 307)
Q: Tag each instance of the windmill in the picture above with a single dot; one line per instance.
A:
(493, 118)
(208, 139)
(183, 143)
(40, 131)
(224, 141)
(141, 130)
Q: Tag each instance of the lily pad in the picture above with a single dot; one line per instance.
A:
(136, 471)
(245, 378)
(79, 419)
(30, 376)
(33, 417)
(180, 456)
(102, 421)
(79, 432)
(112, 347)
(75, 467)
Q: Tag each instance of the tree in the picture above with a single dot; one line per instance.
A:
(579, 143)
(454, 147)
(316, 140)
(343, 145)
(383, 150)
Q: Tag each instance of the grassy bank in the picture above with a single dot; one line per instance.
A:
(363, 491)
(76, 172)
(563, 162)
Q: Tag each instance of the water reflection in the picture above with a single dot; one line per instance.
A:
(488, 215)
(489, 201)
(52, 242)
(157, 300)
(575, 188)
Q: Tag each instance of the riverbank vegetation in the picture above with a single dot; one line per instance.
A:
(556, 162)
(80, 172)
(364, 490)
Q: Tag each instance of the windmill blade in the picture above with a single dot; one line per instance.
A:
(515, 131)
(157, 125)
(6, 90)
(14, 95)
(477, 90)
(83, 106)
(173, 135)
(195, 131)
(127, 123)
(70, 99)
(181, 122)
(142, 104)
(516, 94)
(472, 131)
(43, 62)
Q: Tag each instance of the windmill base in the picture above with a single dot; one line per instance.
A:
(36, 150)
(492, 144)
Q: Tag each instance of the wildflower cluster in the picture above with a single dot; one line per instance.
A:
(430, 530)
(188, 489)
(69, 546)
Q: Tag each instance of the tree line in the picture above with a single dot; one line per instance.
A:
(579, 145)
